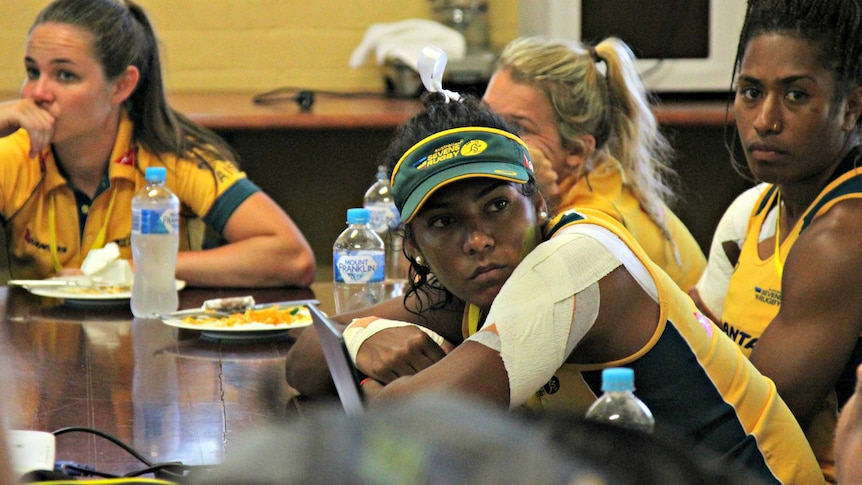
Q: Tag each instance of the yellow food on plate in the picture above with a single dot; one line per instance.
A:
(267, 316)
(100, 289)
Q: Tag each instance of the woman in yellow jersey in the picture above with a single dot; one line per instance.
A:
(73, 151)
(539, 307)
(792, 302)
(584, 113)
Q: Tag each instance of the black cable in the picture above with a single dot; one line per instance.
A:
(303, 97)
(169, 470)
(73, 470)
(166, 470)
(306, 97)
(108, 437)
(175, 469)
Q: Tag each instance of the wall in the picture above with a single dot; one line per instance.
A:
(255, 44)
(259, 45)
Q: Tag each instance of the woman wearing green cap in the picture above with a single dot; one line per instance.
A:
(538, 307)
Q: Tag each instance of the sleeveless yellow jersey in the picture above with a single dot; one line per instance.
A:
(754, 293)
(692, 377)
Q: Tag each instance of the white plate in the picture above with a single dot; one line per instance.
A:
(83, 293)
(244, 330)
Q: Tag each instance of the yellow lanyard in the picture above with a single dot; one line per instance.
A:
(778, 264)
(128, 158)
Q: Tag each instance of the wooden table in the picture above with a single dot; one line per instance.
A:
(168, 393)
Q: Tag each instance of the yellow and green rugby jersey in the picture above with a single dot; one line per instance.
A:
(36, 201)
(754, 294)
(694, 379)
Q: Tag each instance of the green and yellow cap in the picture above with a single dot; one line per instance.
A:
(453, 155)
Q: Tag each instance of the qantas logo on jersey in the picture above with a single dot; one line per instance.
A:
(128, 159)
(743, 339)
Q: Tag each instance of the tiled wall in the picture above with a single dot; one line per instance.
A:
(256, 44)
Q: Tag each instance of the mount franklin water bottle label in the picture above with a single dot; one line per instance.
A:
(383, 217)
(148, 221)
(359, 267)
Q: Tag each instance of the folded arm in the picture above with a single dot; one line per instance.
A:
(391, 353)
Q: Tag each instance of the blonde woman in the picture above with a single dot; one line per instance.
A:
(595, 143)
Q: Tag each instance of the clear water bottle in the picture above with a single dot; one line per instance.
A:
(384, 219)
(359, 264)
(155, 242)
(619, 405)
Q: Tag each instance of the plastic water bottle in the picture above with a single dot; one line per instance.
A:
(619, 405)
(359, 264)
(384, 219)
(155, 242)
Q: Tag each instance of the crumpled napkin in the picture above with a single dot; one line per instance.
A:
(105, 266)
(404, 41)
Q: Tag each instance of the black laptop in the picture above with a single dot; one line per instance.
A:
(344, 373)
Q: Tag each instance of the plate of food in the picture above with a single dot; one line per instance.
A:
(81, 289)
(250, 323)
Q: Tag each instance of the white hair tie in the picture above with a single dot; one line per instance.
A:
(431, 64)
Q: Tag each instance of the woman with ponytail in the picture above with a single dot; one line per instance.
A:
(93, 115)
(595, 143)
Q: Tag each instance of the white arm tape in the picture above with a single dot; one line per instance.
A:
(361, 329)
(545, 308)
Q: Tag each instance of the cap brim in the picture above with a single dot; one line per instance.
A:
(502, 171)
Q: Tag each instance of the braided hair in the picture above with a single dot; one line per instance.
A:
(833, 26)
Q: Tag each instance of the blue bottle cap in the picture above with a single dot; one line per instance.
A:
(618, 379)
(155, 174)
(358, 216)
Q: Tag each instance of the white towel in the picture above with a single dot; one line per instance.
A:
(404, 41)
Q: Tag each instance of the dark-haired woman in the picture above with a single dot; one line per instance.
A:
(539, 307)
(91, 118)
(793, 301)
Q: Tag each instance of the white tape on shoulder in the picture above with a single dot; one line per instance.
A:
(361, 329)
(546, 307)
(618, 250)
